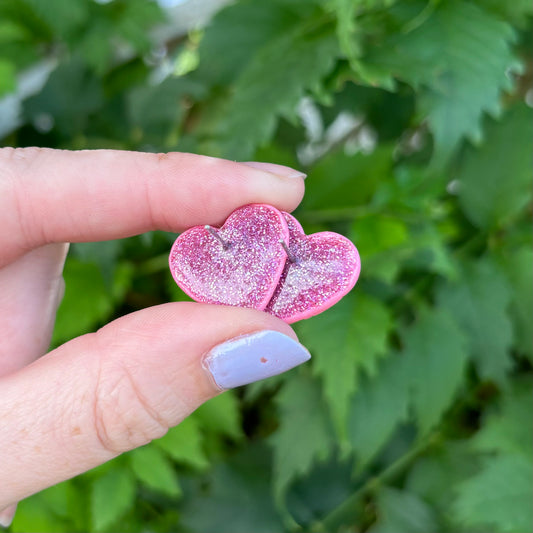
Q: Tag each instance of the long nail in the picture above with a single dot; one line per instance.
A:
(252, 357)
(279, 170)
(7, 515)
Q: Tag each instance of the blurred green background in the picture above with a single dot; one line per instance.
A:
(413, 120)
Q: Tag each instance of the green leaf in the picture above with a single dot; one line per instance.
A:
(70, 95)
(221, 415)
(495, 179)
(44, 512)
(278, 76)
(104, 254)
(223, 59)
(304, 435)
(457, 59)
(184, 444)
(384, 243)
(499, 498)
(444, 467)
(88, 300)
(134, 19)
(339, 180)
(516, 12)
(479, 302)
(86, 303)
(435, 350)
(399, 511)
(153, 468)
(63, 16)
(518, 265)
(237, 499)
(158, 110)
(7, 76)
(357, 329)
(510, 429)
(34, 516)
(346, 11)
(377, 408)
(112, 494)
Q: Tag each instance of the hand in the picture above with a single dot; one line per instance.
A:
(107, 392)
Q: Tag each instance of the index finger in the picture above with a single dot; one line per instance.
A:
(77, 196)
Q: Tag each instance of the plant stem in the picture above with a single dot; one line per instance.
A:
(345, 512)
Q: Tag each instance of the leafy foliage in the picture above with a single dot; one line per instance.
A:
(415, 412)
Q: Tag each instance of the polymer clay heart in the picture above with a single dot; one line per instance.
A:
(239, 264)
(321, 268)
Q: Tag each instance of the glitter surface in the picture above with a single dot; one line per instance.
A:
(327, 267)
(244, 273)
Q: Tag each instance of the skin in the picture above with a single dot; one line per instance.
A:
(106, 392)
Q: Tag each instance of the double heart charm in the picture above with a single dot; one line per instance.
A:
(261, 258)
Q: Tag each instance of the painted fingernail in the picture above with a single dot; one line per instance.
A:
(252, 357)
(280, 170)
(7, 515)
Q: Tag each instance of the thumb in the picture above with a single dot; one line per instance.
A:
(107, 392)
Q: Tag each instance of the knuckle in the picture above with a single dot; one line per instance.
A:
(123, 416)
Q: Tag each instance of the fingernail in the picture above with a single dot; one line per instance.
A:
(249, 358)
(280, 170)
(7, 515)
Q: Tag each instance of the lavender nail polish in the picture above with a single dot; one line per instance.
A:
(249, 358)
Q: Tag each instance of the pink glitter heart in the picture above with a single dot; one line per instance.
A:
(242, 268)
(321, 269)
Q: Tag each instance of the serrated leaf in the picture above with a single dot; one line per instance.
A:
(237, 499)
(435, 350)
(222, 59)
(221, 415)
(278, 76)
(479, 302)
(495, 179)
(184, 444)
(510, 429)
(304, 435)
(112, 494)
(499, 497)
(357, 329)
(399, 511)
(457, 59)
(377, 408)
(518, 265)
(345, 11)
(153, 468)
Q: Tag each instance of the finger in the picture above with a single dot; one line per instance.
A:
(63, 196)
(108, 392)
(30, 291)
